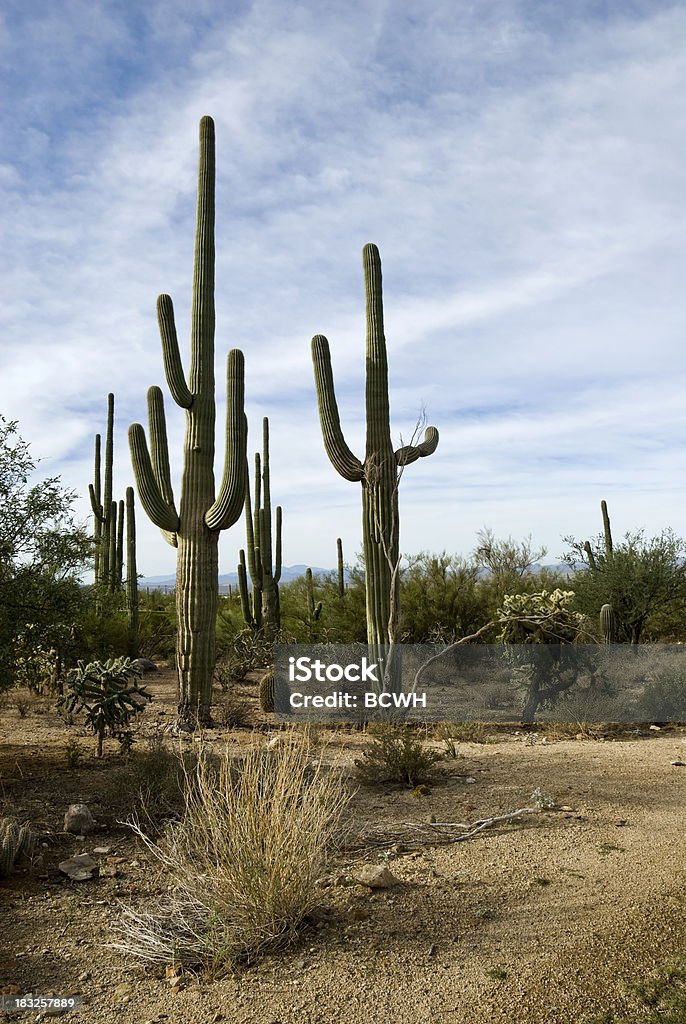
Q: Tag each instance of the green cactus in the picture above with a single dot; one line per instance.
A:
(592, 561)
(101, 503)
(608, 624)
(267, 690)
(341, 573)
(195, 528)
(379, 473)
(118, 575)
(15, 841)
(131, 575)
(314, 610)
(263, 611)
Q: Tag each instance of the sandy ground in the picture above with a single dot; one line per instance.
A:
(546, 920)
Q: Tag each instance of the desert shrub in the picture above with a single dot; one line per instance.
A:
(73, 753)
(232, 712)
(664, 695)
(398, 754)
(462, 732)
(243, 862)
(152, 786)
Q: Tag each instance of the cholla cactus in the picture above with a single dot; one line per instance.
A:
(541, 618)
(108, 693)
(15, 841)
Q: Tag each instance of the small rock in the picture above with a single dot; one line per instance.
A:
(678, 763)
(655, 728)
(621, 822)
(433, 949)
(78, 820)
(376, 877)
(79, 868)
(102, 849)
(469, 780)
(123, 991)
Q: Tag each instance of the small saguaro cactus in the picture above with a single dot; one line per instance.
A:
(608, 624)
(341, 571)
(101, 502)
(379, 472)
(263, 612)
(267, 688)
(314, 608)
(194, 528)
(592, 561)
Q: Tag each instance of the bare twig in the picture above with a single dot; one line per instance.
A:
(413, 834)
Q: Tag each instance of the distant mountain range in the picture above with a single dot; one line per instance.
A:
(227, 579)
(293, 572)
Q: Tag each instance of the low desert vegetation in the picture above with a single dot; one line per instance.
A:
(243, 861)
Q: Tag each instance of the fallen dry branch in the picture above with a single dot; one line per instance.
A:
(414, 833)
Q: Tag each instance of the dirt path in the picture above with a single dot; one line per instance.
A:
(542, 921)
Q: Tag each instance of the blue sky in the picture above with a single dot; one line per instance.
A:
(519, 165)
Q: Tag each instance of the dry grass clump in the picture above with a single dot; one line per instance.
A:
(243, 862)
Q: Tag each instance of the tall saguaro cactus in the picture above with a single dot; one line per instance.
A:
(379, 472)
(263, 556)
(194, 528)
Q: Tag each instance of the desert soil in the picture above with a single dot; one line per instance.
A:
(547, 920)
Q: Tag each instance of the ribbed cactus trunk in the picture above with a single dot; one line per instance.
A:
(262, 609)
(341, 569)
(131, 575)
(194, 529)
(608, 624)
(379, 474)
(104, 533)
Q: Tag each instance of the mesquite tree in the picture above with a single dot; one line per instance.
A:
(379, 472)
(194, 528)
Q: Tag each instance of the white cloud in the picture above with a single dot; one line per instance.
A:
(519, 168)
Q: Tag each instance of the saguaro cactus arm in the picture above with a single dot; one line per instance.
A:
(94, 489)
(227, 508)
(159, 447)
(606, 529)
(411, 452)
(160, 512)
(341, 457)
(170, 353)
(277, 555)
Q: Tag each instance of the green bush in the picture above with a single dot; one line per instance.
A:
(398, 754)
